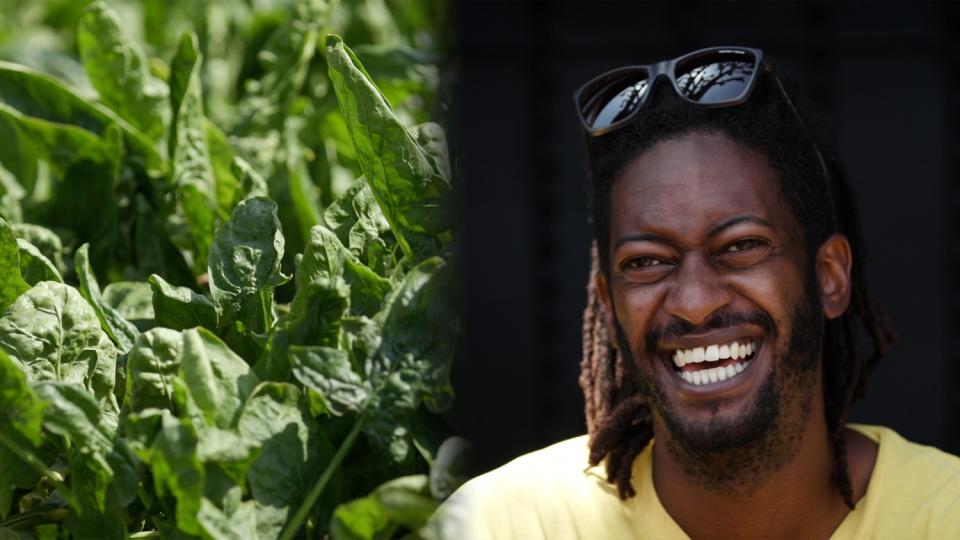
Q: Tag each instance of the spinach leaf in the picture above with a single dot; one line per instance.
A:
(179, 307)
(120, 330)
(192, 216)
(118, 69)
(133, 300)
(12, 283)
(54, 335)
(405, 179)
(35, 266)
(152, 364)
(292, 448)
(219, 381)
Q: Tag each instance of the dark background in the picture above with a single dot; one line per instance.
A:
(882, 75)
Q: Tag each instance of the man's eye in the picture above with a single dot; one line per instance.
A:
(642, 262)
(744, 245)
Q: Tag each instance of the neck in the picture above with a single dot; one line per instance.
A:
(798, 499)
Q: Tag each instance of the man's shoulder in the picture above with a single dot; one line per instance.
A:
(546, 493)
(915, 488)
(566, 460)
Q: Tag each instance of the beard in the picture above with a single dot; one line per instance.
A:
(737, 454)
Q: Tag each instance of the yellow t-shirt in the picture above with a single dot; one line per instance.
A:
(553, 493)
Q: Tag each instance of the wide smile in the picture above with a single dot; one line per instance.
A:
(702, 366)
(717, 364)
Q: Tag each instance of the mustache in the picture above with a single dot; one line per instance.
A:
(678, 328)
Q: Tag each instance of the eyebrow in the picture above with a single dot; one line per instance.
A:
(714, 231)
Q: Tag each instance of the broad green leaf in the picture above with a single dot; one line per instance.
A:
(177, 469)
(120, 330)
(252, 183)
(35, 266)
(46, 241)
(293, 452)
(360, 519)
(194, 208)
(314, 319)
(407, 77)
(118, 69)
(56, 119)
(133, 300)
(102, 471)
(360, 225)
(181, 308)
(403, 501)
(54, 334)
(152, 363)
(21, 417)
(329, 373)
(21, 412)
(229, 185)
(12, 283)
(239, 525)
(420, 328)
(285, 59)
(219, 381)
(11, 192)
(326, 259)
(245, 264)
(405, 179)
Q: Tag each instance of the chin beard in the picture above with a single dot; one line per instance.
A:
(738, 454)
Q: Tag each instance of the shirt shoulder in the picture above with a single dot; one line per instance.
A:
(549, 493)
(914, 491)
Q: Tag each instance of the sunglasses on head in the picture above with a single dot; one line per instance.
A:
(712, 77)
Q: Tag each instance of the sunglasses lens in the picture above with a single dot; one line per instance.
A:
(720, 77)
(610, 100)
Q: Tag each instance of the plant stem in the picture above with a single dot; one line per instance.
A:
(317, 489)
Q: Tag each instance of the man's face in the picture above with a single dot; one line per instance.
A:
(710, 294)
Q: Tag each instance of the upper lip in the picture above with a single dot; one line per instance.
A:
(713, 337)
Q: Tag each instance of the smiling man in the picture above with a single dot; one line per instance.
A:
(722, 337)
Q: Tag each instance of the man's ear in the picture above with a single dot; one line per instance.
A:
(606, 306)
(834, 261)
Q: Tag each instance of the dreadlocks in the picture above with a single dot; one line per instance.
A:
(618, 416)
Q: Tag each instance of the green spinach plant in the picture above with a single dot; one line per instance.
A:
(226, 296)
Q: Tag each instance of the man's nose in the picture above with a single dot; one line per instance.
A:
(697, 290)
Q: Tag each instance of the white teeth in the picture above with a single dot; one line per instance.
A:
(713, 353)
(712, 375)
(721, 373)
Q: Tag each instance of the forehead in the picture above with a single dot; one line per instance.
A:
(684, 186)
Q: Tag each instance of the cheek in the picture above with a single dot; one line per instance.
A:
(635, 310)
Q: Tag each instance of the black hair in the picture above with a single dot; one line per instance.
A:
(823, 203)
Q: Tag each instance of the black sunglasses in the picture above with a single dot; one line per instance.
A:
(712, 77)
